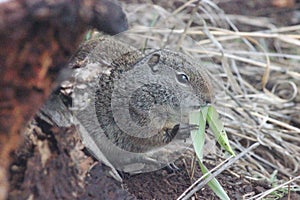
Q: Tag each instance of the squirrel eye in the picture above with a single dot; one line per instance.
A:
(182, 78)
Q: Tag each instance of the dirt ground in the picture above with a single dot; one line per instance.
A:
(169, 184)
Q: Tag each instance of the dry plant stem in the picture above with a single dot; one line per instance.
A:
(277, 122)
(187, 194)
(258, 162)
(239, 77)
(229, 34)
(183, 35)
(289, 191)
(224, 60)
(236, 101)
(245, 60)
(261, 54)
(221, 14)
(193, 167)
(253, 21)
(181, 8)
(240, 135)
(266, 74)
(264, 194)
(260, 34)
(253, 163)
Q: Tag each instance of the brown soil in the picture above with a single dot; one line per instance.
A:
(168, 184)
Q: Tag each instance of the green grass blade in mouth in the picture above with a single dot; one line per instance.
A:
(218, 129)
(198, 136)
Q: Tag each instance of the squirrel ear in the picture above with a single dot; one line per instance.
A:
(153, 61)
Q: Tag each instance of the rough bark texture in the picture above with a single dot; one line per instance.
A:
(52, 164)
(37, 37)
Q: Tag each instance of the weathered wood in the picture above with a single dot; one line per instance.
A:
(37, 37)
(58, 168)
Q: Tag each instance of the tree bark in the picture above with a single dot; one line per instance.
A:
(37, 37)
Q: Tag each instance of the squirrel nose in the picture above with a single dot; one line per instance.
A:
(207, 100)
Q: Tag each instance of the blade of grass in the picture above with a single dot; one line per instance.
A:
(198, 136)
(214, 184)
(218, 129)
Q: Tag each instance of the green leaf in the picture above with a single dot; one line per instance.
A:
(218, 129)
(214, 184)
(198, 136)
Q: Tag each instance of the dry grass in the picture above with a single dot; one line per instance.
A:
(256, 76)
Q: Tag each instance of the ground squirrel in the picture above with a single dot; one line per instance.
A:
(138, 100)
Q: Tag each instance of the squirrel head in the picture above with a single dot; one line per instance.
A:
(180, 73)
(159, 90)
